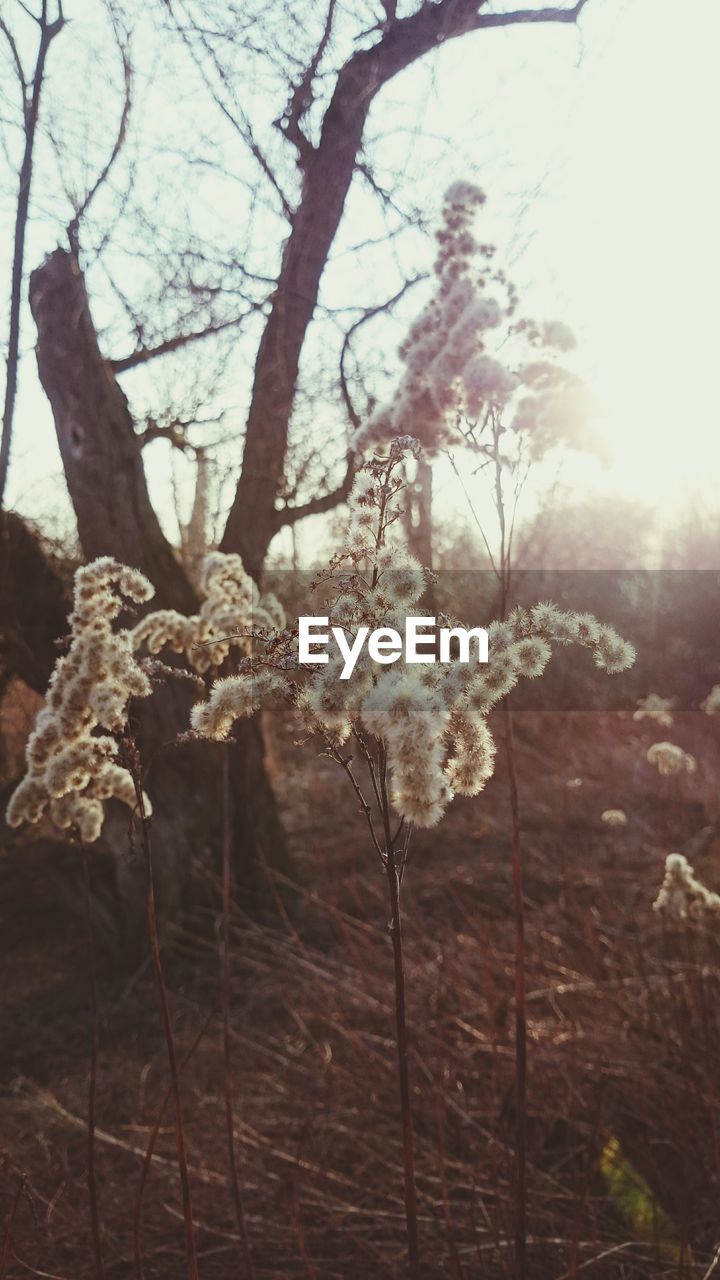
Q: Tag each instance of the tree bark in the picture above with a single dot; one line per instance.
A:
(101, 453)
(104, 470)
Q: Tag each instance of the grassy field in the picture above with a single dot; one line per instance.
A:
(623, 1026)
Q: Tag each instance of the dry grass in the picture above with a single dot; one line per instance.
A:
(624, 1036)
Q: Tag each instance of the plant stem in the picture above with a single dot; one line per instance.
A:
(520, 1011)
(149, 1152)
(169, 1037)
(227, 1062)
(92, 1088)
(403, 1072)
(7, 1242)
(504, 577)
(31, 111)
(393, 879)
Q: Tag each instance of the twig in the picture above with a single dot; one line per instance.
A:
(92, 1088)
(227, 1059)
(47, 1099)
(150, 1156)
(393, 879)
(166, 1019)
(31, 113)
(7, 1242)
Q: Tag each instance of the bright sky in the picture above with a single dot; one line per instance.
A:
(596, 149)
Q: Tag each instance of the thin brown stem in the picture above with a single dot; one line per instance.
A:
(227, 1058)
(150, 1151)
(395, 929)
(520, 1207)
(7, 1242)
(573, 1266)
(520, 1010)
(92, 1087)
(168, 1030)
(31, 113)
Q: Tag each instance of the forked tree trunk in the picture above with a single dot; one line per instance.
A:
(105, 476)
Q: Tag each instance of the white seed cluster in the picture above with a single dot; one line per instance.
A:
(670, 759)
(683, 897)
(231, 610)
(231, 699)
(431, 719)
(711, 704)
(71, 764)
(655, 707)
(464, 354)
(614, 817)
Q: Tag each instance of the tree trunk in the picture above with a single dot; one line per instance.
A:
(103, 466)
(101, 453)
(34, 604)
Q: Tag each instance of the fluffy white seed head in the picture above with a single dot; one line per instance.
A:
(682, 897)
(232, 608)
(654, 707)
(614, 817)
(71, 762)
(711, 704)
(465, 355)
(670, 759)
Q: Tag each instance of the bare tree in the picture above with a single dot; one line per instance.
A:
(30, 85)
(304, 166)
(328, 168)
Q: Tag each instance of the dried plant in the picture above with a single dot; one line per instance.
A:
(683, 897)
(670, 760)
(408, 740)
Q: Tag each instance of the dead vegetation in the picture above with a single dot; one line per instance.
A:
(623, 1044)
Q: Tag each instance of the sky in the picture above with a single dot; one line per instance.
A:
(597, 149)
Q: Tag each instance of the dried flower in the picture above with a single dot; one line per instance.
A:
(465, 355)
(654, 707)
(232, 608)
(428, 720)
(71, 767)
(683, 897)
(670, 759)
(711, 704)
(614, 817)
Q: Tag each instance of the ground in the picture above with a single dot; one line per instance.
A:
(624, 1034)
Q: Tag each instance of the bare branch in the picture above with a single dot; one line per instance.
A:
(318, 506)
(31, 112)
(382, 307)
(176, 343)
(102, 177)
(328, 175)
(302, 96)
(15, 57)
(520, 16)
(384, 196)
(239, 122)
